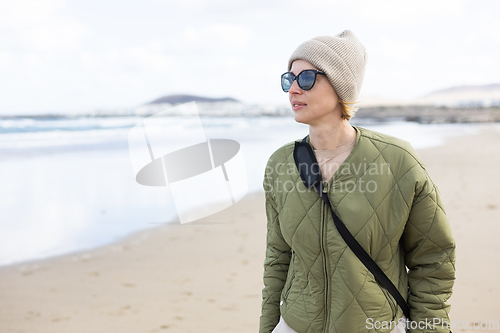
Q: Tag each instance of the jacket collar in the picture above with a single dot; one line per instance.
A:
(358, 133)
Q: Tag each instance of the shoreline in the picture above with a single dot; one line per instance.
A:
(110, 206)
(208, 277)
(420, 113)
(437, 141)
(127, 238)
(143, 278)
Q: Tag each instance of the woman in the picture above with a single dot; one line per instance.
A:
(377, 186)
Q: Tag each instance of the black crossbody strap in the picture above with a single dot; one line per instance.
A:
(365, 258)
(353, 244)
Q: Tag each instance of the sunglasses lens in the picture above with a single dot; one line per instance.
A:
(306, 79)
(286, 81)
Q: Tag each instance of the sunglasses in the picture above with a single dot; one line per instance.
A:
(305, 79)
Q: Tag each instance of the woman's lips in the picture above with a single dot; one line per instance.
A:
(298, 106)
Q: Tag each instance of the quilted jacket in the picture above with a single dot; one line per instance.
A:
(383, 194)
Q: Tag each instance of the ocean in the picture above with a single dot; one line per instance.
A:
(68, 184)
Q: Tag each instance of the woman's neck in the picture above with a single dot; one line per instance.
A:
(330, 135)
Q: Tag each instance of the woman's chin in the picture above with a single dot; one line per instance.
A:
(300, 119)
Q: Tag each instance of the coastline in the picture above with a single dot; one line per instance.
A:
(208, 277)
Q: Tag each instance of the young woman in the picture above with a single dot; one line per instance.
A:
(378, 186)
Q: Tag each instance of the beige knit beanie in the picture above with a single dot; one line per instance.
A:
(341, 57)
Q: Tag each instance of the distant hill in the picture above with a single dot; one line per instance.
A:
(179, 99)
(466, 89)
(461, 96)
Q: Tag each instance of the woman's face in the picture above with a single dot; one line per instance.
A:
(317, 105)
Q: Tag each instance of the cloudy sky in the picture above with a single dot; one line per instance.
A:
(66, 55)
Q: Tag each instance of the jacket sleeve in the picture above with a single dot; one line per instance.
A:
(430, 257)
(276, 263)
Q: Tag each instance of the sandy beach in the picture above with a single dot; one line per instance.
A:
(207, 276)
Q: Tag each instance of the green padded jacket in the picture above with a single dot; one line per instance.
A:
(384, 195)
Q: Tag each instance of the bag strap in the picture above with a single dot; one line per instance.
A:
(353, 244)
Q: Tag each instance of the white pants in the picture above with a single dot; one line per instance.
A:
(283, 327)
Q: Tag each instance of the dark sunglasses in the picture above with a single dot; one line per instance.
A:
(305, 79)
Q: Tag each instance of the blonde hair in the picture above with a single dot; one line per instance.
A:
(348, 110)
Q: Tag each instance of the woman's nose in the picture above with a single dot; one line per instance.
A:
(295, 89)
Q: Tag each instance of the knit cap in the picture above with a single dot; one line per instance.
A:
(342, 57)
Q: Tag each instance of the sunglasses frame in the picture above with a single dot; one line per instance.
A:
(296, 78)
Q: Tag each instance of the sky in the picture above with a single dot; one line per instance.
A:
(80, 55)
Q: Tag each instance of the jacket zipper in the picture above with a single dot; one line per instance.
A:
(324, 219)
(289, 288)
(291, 279)
(390, 300)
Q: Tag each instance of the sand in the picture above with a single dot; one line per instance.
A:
(207, 277)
